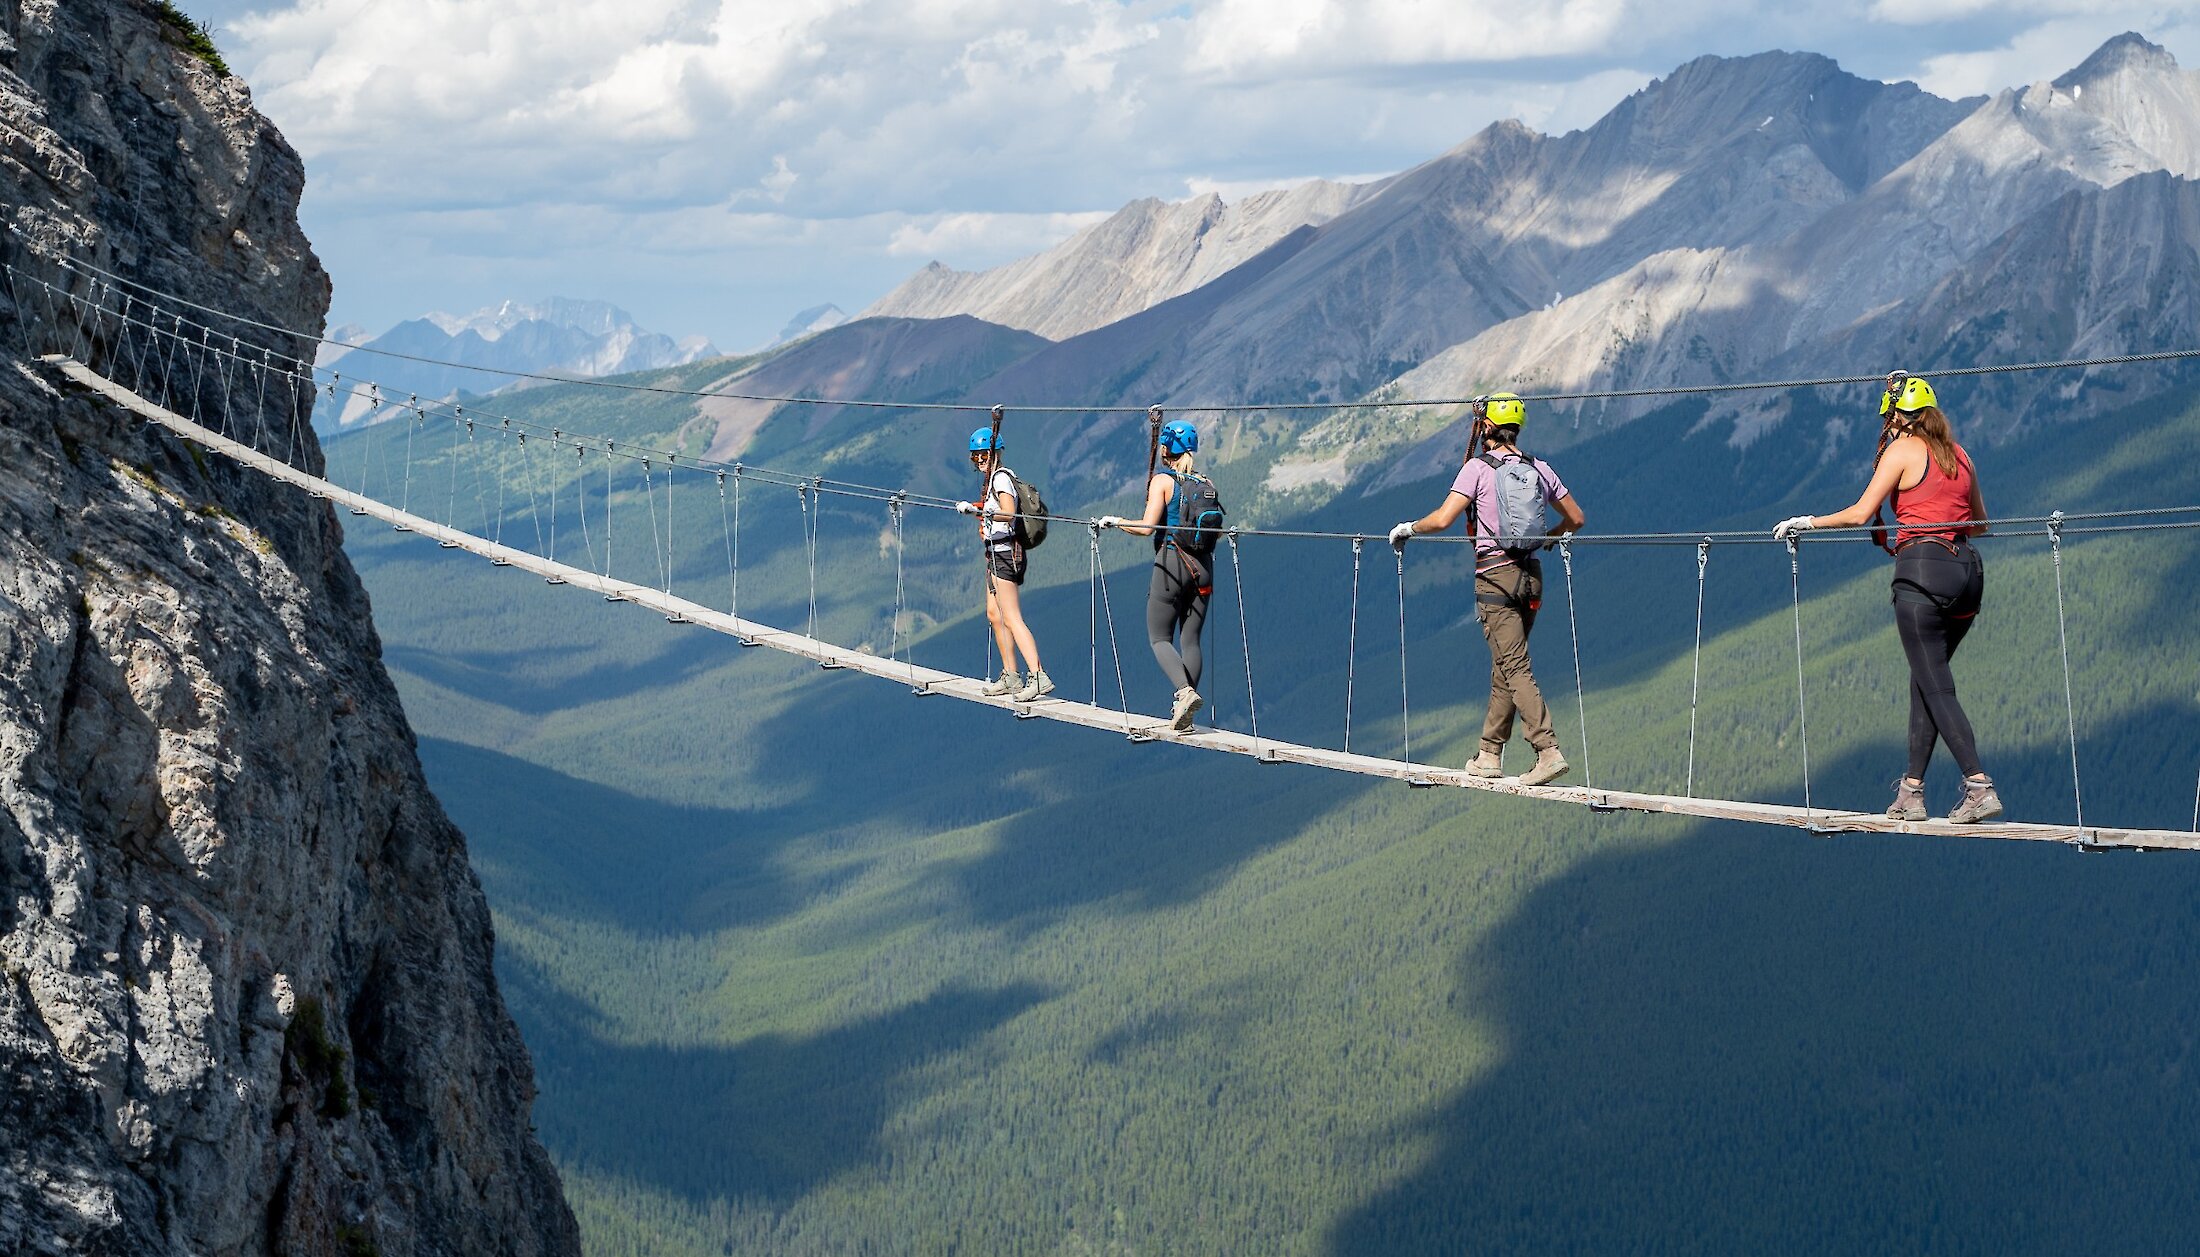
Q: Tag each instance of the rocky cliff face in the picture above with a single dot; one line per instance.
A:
(246, 1003)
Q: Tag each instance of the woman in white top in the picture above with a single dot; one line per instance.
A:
(1004, 573)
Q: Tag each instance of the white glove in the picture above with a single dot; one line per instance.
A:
(1110, 521)
(1399, 534)
(967, 508)
(1787, 528)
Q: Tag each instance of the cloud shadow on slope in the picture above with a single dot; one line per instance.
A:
(1743, 1042)
(712, 1122)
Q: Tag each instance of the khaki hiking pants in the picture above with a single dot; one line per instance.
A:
(1505, 601)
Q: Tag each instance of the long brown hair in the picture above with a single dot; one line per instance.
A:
(1930, 426)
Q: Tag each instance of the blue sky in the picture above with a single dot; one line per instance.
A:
(715, 165)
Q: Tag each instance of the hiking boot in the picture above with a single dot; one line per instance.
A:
(1486, 764)
(1550, 765)
(1909, 801)
(1188, 703)
(1980, 803)
(1009, 683)
(1039, 686)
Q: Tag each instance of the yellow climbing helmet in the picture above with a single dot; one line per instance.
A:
(1906, 392)
(1501, 410)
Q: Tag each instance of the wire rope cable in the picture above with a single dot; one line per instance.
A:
(1115, 650)
(1802, 714)
(1352, 646)
(2070, 701)
(1581, 699)
(1245, 640)
(1405, 711)
(1695, 672)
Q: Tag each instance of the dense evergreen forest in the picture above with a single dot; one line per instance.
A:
(810, 966)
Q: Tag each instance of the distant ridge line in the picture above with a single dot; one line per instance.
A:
(99, 275)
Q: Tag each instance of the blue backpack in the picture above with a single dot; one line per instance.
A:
(1196, 514)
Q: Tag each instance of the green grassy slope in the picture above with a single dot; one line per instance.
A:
(809, 965)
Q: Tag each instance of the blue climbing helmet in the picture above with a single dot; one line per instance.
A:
(983, 440)
(1178, 437)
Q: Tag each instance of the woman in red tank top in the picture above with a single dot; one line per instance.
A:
(1939, 581)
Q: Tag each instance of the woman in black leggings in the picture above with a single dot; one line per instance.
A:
(1183, 566)
(1939, 582)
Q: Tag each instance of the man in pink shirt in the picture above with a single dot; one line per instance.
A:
(1502, 492)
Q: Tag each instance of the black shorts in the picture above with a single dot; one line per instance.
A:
(1006, 563)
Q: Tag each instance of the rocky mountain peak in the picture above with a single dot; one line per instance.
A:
(2124, 54)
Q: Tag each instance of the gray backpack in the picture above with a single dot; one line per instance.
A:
(1519, 501)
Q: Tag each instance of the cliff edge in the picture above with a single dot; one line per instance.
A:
(246, 1003)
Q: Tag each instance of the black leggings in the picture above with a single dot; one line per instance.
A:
(1176, 611)
(1936, 600)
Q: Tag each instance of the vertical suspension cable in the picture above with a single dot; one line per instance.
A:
(610, 466)
(672, 461)
(1115, 651)
(120, 353)
(301, 391)
(198, 375)
(450, 499)
(2062, 633)
(1352, 644)
(556, 443)
(809, 543)
(1573, 626)
(1245, 642)
(168, 364)
(1092, 607)
(726, 524)
(1695, 676)
(580, 499)
(901, 601)
(649, 490)
(412, 416)
(737, 541)
(76, 315)
(1405, 711)
(230, 427)
(527, 475)
(259, 401)
(1802, 715)
(146, 344)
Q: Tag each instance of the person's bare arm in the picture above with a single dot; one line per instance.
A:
(1157, 507)
(1444, 516)
(1570, 518)
(1902, 459)
(1978, 508)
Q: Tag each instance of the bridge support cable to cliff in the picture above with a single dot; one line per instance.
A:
(192, 352)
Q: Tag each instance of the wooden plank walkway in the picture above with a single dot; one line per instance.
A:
(1129, 725)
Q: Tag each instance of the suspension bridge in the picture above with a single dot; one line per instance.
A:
(102, 330)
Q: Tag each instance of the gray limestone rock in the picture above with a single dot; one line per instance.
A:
(246, 1003)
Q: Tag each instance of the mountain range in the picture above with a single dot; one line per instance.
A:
(1764, 215)
(554, 336)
